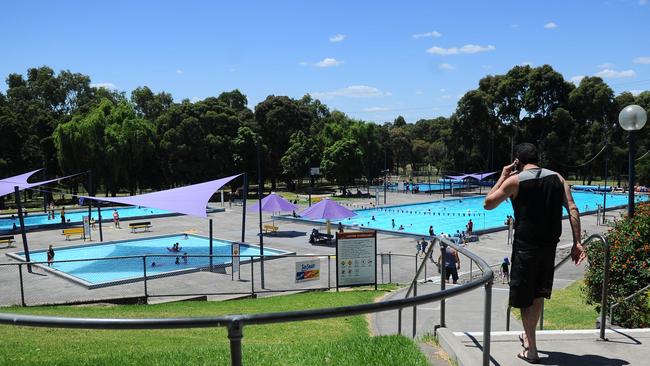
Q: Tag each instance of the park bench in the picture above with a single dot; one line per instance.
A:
(268, 228)
(140, 225)
(9, 240)
(73, 231)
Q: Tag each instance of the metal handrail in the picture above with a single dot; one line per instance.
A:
(235, 323)
(614, 306)
(603, 307)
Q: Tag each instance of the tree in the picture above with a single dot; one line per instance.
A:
(342, 162)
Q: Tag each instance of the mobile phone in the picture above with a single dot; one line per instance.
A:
(516, 168)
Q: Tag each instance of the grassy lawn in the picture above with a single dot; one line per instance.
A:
(344, 340)
(567, 310)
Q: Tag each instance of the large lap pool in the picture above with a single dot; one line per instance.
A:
(449, 215)
(97, 269)
(33, 221)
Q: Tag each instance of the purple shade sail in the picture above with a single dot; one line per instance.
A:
(188, 200)
(458, 177)
(7, 185)
(480, 176)
(273, 203)
(327, 209)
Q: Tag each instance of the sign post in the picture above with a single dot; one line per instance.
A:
(235, 261)
(356, 254)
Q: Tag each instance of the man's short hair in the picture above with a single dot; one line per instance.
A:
(526, 153)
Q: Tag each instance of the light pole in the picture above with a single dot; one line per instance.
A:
(632, 118)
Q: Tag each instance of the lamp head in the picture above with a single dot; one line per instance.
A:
(632, 118)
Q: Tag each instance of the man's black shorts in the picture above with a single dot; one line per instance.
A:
(531, 275)
(453, 272)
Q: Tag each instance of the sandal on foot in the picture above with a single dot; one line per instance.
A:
(522, 356)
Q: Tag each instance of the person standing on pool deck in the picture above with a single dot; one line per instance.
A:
(50, 256)
(537, 197)
(470, 227)
(63, 215)
(116, 219)
(451, 263)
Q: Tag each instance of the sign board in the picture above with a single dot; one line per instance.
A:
(356, 254)
(314, 171)
(385, 258)
(235, 257)
(308, 270)
(86, 221)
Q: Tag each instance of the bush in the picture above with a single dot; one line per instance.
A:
(629, 242)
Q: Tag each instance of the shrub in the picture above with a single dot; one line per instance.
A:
(629, 242)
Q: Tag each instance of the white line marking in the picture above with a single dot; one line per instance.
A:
(557, 332)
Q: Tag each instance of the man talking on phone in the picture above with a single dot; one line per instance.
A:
(537, 197)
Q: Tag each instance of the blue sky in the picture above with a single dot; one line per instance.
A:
(373, 60)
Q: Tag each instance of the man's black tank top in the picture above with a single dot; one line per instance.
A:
(538, 208)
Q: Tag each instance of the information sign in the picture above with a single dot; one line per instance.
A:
(356, 254)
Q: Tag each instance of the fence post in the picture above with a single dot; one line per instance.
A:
(508, 318)
(415, 308)
(487, 327)
(382, 268)
(22, 289)
(399, 321)
(443, 279)
(471, 270)
(603, 305)
(235, 335)
(541, 317)
(144, 273)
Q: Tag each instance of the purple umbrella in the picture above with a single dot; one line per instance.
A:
(273, 203)
(328, 210)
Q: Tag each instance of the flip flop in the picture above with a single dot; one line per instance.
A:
(521, 339)
(522, 356)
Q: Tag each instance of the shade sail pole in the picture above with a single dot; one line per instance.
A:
(243, 215)
(22, 227)
(259, 203)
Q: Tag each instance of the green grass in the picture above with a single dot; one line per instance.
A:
(344, 340)
(567, 310)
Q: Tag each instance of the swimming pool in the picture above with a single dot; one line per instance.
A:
(33, 221)
(433, 187)
(99, 270)
(447, 216)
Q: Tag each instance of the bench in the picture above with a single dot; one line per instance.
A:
(268, 228)
(73, 231)
(321, 238)
(9, 240)
(146, 225)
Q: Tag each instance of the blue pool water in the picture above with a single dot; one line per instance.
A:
(106, 271)
(76, 217)
(453, 214)
(426, 187)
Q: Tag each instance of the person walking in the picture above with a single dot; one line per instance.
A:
(470, 227)
(50, 256)
(537, 196)
(451, 263)
(116, 219)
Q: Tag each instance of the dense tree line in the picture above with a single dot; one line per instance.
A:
(147, 141)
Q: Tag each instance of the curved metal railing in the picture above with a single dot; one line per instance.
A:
(236, 323)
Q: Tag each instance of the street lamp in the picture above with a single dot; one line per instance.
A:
(632, 118)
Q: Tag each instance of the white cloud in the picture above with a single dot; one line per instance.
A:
(303, 63)
(109, 86)
(353, 91)
(606, 65)
(433, 34)
(180, 72)
(337, 38)
(514, 25)
(445, 97)
(641, 60)
(613, 74)
(443, 90)
(419, 92)
(526, 63)
(636, 92)
(576, 79)
(643, 2)
(328, 62)
(376, 109)
(195, 99)
(550, 25)
(466, 49)
(446, 66)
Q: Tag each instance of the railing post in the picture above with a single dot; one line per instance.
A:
(22, 289)
(487, 326)
(415, 308)
(443, 279)
(382, 268)
(508, 318)
(329, 273)
(541, 317)
(399, 321)
(144, 273)
(416, 267)
(603, 305)
(471, 270)
(390, 268)
(252, 260)
(235, 335)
